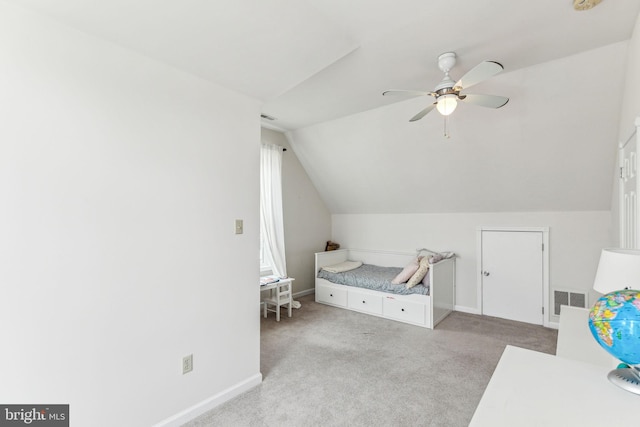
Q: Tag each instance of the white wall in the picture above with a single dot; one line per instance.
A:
(120, 179)
(630, 111)
(307, 221)
(575, 242)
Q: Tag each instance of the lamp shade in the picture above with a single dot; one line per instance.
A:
(618, 269)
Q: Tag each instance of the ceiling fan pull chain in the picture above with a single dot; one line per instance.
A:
(446, 130)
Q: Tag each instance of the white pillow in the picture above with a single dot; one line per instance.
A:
(406, 273)
(342, 267)
(422, 270)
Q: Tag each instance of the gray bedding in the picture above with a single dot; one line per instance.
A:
(375, 278)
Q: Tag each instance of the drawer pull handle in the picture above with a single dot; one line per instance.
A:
(402, 309)
(364, 302)
(330, 295)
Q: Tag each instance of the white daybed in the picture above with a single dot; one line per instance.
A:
(421, 310)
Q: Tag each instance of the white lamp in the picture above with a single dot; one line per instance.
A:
(618, 274)
(618, 269)
(447, 104)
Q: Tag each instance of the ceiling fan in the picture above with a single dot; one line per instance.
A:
(447, 92)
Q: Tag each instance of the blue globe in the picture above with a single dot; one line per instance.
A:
(614, 322)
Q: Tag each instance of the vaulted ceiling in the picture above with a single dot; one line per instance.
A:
(320, 67)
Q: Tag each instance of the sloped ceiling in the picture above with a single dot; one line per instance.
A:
(399, 42)
(551, 148)
(320, 67)
(261, 48)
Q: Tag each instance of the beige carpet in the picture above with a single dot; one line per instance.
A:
(332, 367)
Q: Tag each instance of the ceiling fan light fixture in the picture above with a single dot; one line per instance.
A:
(585, 4)
(447, 104)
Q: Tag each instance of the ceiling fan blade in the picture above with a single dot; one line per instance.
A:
(491, 101)
(423, 113)
(407, 93)
(480, 72)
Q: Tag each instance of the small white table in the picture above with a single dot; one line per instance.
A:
(535, 389)
(280, 294)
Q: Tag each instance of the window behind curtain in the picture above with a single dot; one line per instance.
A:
(272, 250)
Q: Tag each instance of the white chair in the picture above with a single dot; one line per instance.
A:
(575, 340)
(280, 295)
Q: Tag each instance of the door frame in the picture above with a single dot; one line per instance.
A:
(545, 265)
(629, 232)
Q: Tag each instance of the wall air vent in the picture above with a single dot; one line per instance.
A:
(264, 116)
(570, 298)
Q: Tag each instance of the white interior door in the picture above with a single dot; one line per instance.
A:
(512, 275)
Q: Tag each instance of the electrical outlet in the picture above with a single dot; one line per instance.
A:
(187, 364)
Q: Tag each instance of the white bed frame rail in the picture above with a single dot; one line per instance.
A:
(437, 305)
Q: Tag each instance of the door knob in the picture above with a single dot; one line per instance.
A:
(485, 273)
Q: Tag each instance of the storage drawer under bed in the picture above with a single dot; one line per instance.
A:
(331, 295)
(406, 311)
(363, 301)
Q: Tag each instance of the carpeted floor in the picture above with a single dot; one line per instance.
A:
(332, 367)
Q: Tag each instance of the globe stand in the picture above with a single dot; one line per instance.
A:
(626, 378)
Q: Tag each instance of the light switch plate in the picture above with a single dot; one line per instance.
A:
(239, 226)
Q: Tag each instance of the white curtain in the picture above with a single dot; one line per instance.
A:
(271, 218)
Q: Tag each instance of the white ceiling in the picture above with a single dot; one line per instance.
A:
(316, 60)
(261, 48)
(320, 67)
(400, 40)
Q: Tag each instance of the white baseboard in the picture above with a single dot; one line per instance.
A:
(303, 293)
(210, 403)
(469, 310)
